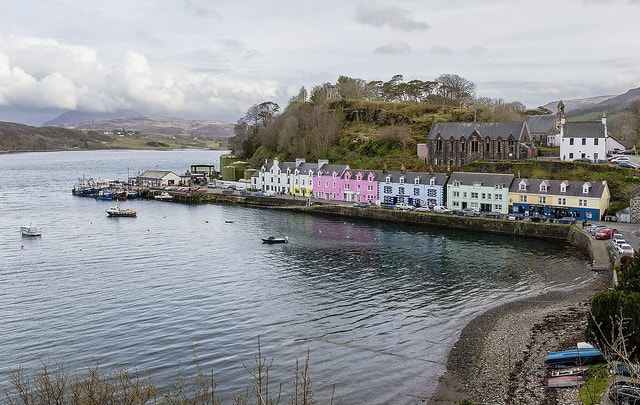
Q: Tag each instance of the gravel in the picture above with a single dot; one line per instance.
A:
(500, 356)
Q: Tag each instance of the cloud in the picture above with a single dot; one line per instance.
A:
(393, 48)
(440, 49)
(477, 51)
(370, 13)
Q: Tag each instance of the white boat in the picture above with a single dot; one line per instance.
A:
(30, 230)
(164, 196)
(117, 211)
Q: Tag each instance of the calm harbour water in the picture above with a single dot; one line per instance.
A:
(377, 306)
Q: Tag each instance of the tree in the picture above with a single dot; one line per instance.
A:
(634, 108)
(454, 89)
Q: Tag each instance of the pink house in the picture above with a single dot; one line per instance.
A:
(360, 186)
(327, 183)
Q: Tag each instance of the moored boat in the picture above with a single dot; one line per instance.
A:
(273, 239)
(117, 211)
(164, 196)
(30, 230)
(575, 356)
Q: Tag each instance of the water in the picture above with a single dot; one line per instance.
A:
(377, 306)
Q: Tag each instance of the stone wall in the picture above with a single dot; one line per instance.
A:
(634, 206)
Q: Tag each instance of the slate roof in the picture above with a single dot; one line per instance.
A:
(574, 188)
(492, 130)
(306, 168)
(410, 177)
(155, 174)
(542, 124)
(328, 169)
(486, 179)
(583, 130)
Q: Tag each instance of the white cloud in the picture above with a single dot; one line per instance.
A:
(371, 13)
(394, 47)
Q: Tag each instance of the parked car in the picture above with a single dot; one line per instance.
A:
(567, 220)
(404, 206)
(360, 205)
(582, 160)
(625, 249)
(516, 216)
(538, 218)
(493, 214)
(605, 233)
(595, 229)
(617, 242)
(423, 209)
(628, 165)
(617, 236)
(624, 392)
(470, 212)
(618, 159)
(441, 209)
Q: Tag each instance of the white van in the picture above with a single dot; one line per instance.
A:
(441, 209)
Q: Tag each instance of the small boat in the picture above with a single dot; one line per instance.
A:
(572, 371)
(575, 356)
(164, 196)
(228, 221)
(30, 230)
(565, 381)
(117, 211)
(273, 239)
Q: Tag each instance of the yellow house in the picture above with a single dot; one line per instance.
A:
(583, 200)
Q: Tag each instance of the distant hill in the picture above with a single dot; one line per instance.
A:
(18, 138)
(609, 104)
(133, 121)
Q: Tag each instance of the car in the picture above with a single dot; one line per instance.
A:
(585, 160)
(404, 206)
(516, 216)
(595, 229)
(470, 212)
(618, 159)
(617, 236)
(617, 242)
(604, 233)
(627, 165)
(626, 249)
(567, 220)
(360, 205)
(538, 218)
(493, 214)
(441, 209)
(212, 185)
(423, 209)
(624, 392)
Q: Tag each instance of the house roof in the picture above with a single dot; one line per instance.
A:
(306, 168)
(491, 130)
(584, 130)
(542, 124)
(410, 177)
(574, 187)
(328, 169)
(155, 174)
(486, 179)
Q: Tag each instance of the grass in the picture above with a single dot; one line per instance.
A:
(591, 392)
(142, 141)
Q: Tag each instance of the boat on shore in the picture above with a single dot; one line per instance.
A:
(30, 230)
(164, 196)
(571, 371)
(274, 240)
(117, 211)
(575, 356)
(565, 381)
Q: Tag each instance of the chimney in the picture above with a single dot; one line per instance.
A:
(604, 124)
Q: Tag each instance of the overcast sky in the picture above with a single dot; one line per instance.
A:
(213, 59)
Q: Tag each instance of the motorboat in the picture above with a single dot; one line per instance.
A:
(273, 240)
(30, 230)
(164, 196)
(117, 211)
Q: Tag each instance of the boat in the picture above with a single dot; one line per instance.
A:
(164, 196)
(30, 230)
(117, 211)
(273, 239)
(575, 356)
(565, 381)
(228, 221)
(571, 371)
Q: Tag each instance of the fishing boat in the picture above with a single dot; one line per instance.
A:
(273, 240)
(164, 196)
(565, 381)
(30, 230)
(117, 211)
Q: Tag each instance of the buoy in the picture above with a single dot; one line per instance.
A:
(21, 246)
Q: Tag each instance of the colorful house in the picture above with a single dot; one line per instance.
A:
(485, 192)
(301, 178)
(327, 183)
(360, 186)
(560, 198)
(412, 188)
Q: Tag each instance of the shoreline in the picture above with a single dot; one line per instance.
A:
(500, 355)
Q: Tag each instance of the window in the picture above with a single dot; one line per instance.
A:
(401, 190)
(523, 198)
(571, 155)
(582, 203)
(488, 196)
(432, 192)
(369, 187)
(498, 187)
(563, 187)
(417, 180)
(401, 180)
(474, 205)
(387, 190)
(595, 141)
(439, 145)
(432, 181)
(497, 207)
(584, 141)
(456, 203)
(456, 194)
(326, 184)
(543, 187)
(474, 196)
(523, 186)
(346, 186)
(484, 196)
(542, 200)
(387, 179)
(464, 194)
(562, 201)
(474, 146)
(498, 197)
(570, 141)
(416, 191)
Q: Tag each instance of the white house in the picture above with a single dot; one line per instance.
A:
(158, 178)
(273, 176)
(584, 140)
(485, 192)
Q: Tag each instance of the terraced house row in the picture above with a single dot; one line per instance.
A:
(484, 192)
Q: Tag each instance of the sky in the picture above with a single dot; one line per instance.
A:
(214, 59)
